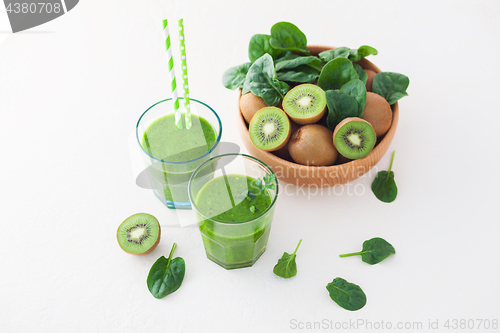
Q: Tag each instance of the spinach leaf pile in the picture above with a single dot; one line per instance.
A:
(281, 59)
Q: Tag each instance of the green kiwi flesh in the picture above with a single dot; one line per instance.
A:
(354, 138)
(270, 129)
(305, 104)
(139, 234)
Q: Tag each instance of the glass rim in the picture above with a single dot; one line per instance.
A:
(183, 162)
(255, 160)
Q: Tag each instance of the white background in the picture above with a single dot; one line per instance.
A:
(72, 90)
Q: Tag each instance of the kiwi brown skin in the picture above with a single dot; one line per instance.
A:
(369, 82)
(283, 152)
(250, 104)
(341, 159)
(378, 113)
(313, 145)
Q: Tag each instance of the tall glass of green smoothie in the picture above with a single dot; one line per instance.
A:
(171, 154)
(233, 197)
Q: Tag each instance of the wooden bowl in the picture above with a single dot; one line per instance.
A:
(322, 176)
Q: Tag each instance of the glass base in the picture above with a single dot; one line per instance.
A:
(173, 204)
(236, 265)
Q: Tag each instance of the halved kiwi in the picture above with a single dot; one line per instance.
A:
(269, 129)
(354, 138)
(305, 104)
(139, 234)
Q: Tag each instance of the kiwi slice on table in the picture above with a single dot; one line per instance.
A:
(139, 234)
(354, 138)
(305, 104)
(269, 129)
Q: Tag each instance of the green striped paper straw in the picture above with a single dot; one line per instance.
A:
(173, 83)
(185, 85)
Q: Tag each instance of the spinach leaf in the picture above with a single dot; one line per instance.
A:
(340, 106)
(361, 52)
(361, 73)
(356, 89)
(286, 266)
(286, 36)
(293, 61)
(336, 73)
(166, 275)
(391, 86)
(234, 77)
(383, 186)
(328, 55)
(302, 74)
(348, 295)
(259, 45)
(374, 251)
(261, 81)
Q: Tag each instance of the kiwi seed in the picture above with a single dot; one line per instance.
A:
(378, 113)
(269, 129)
(305, 104)
(139, 234)
(313, 145)
(354, 138)
(250, 104)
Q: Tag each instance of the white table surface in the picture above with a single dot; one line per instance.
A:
(72, 90)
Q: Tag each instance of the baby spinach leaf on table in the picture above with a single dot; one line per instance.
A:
(356, 89)
(302, 74)
(234, 77)
(340, 106)
(336, 73)
(261, 81)
(166, 275)
(361, 73)
(374, 251)
(361, 52)
(391, 86)
(291, 61)
(286, 36)
(383, 186)
(259, 45)
(348, 295)
(328, 55)
(286, 266)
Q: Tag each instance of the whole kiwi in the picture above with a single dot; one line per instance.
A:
(313, 145)
(283, 152)
(250, 104)
(378, 113)
(369, 82)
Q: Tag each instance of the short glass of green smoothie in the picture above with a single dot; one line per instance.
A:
(171, 154)
(233, 197)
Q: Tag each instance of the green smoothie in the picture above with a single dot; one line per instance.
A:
(163, 140)
(234, 228)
